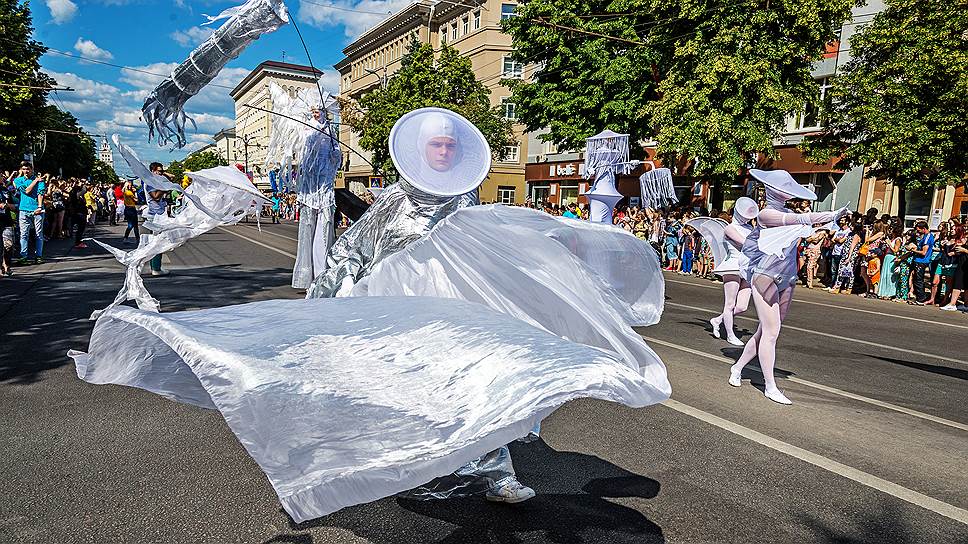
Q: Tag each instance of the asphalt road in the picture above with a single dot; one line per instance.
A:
(872, 451)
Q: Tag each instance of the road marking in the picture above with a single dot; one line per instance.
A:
(859, 476)
(833, 390)
(269, 233)
(836, 336)
(258, 243)
(825, 305)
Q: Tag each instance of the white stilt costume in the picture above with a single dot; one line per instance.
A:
(726, 241)
(461, 328)
(771, 270)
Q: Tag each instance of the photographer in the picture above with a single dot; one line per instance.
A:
(31, 216)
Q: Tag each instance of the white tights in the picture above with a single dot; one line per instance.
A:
(772, 306)
(736, 294)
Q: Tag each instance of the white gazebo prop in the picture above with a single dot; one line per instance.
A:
(608, 156)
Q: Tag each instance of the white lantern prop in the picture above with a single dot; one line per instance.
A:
(608, 156)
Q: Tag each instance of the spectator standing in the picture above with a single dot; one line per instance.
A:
(77, 210)
(922, 256)
(960, 251)
(158, 204)
(944, 262)
(131, 213)
(812, 253)
(688, 250)
(571, 211)
(118, 203)
(58, 208)
(840, 240)
(90, 203)
(6, 231)
(849, 257)
(31, 215)
(671, 243)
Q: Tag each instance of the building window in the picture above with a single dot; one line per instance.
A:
(505, 194)
(466, 24)
(812, 114)
(453, 32)
(477, 19)
(512, 68)
(511, 153)
(443, 34)
(508, 108)
(507, 11)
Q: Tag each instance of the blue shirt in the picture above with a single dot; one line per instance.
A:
(926, 240)
(569, 214)
(28, 201)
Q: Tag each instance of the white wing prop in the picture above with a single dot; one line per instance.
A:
(217, 196)
(570, 278)
(714, 231)
(774, 240)
(338, 414)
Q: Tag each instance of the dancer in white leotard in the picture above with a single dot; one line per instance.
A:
(772, 269)
(726, 242)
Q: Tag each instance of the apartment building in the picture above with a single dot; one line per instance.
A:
(250, 139)
(474, 29)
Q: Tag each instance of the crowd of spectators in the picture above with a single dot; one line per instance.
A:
(870, 255)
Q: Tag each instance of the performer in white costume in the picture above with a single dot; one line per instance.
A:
(461, 329)
(726, 242)
(772, 269)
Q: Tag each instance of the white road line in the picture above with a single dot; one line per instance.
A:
(269, 233)
(258, 243)
(837, 336)
(825, 305)
(859, 476)
(833, 390)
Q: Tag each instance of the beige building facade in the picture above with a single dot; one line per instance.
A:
(226, 146)
(252, 126)
(474, 29)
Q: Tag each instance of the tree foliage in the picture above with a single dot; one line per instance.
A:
(68, 150)
(711, 80)
(900, 105)
(102, 173)
(447, 82)
(202, 160)
(20, 107)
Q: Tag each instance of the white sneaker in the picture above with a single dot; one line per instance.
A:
(715, 324)
(511, 492)
(734, 341)
(735, 378)
(159, 272)
(949, 308)
(777, 396)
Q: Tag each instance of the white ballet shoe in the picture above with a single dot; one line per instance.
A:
(777, 396)
(715, 322)
(735, 378)
(734, 341)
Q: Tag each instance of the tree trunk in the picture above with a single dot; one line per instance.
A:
(901, 203)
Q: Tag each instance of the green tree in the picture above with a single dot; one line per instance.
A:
(102, 173)
(447, 82)
(20, 106)
(708, 80)
(67, 149)
(200, 161)
(900, 105)
(176, 169)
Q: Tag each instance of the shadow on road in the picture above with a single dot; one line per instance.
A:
(924, 367)
(41, 325)
(571, 506)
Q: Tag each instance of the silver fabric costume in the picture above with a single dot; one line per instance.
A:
(401, 215)
(164, 109)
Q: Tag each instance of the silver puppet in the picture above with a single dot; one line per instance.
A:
(164, 109)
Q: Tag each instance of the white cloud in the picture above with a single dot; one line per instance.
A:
(367, 14)
(61, 11)
(89, 49)
(193, 36)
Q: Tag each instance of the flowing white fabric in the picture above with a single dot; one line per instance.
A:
(570, 278)
(217, 196)
(657, 189)
(344, 401)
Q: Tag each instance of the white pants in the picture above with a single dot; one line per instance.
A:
(315, 238)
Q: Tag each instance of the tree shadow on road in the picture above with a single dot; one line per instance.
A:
(53, 316)
(883, 522)
(924, 367)
(571, 506)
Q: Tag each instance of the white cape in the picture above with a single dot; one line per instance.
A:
(347, 400)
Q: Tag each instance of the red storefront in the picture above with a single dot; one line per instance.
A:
(562, 182)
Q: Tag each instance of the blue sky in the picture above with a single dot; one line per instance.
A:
(156, 35)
